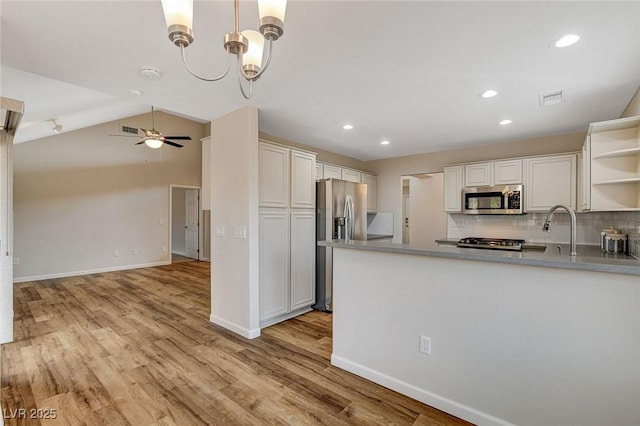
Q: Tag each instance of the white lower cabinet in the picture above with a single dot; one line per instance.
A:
(287, 263)
(303, 259)
(274, 263)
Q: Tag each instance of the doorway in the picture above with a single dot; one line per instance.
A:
(423, 218)
(185, 235)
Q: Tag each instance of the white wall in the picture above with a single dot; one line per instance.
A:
(234, 203)
(427, 219)
(509, 343)
(178, 220)
(81, 195)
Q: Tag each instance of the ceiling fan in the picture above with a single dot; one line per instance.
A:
(154, 138)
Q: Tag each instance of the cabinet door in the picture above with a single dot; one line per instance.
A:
(507, 172)
(351, 175)
(319, 175)
(303, 259)
(331, 172)
(549, 181)
(274, 263)
(274, 176)
(478, 174)
(453, 189)
(303, 180)
(372, 191)
(206, 173)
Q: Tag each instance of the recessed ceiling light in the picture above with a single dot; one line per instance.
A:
(385, 143)
(347, 127)
(567, 40)
(488, 93)
(505, 122)
(135, 92)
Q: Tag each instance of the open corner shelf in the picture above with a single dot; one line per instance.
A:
(619, 153)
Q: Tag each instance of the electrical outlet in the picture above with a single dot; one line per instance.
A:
(116, 253)
(134, 252)
(425, 345)
(16, 260)
(164, 249)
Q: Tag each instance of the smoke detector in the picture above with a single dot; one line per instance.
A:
(553, 98)
(150, 73)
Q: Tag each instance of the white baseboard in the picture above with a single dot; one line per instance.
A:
(275, 320)
(244, 332)
(89, 271)
(447, 405)
(181, 253)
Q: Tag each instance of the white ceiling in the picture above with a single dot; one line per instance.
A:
(407, 71)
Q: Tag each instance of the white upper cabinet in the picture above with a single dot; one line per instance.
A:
(480, 174)
(453, 184)
(331, 172)
(351, 175)
(303, 180)
(274, 175)
(507, 172)
(372, 191)
(287, 177)
(549, 181)
(504, 172)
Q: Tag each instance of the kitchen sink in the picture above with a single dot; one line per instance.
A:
(537, 248)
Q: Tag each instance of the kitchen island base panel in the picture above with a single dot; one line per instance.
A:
(510, 343)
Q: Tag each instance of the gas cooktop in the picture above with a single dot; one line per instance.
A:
(491, 243)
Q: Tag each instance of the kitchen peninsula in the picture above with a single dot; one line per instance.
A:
(492, 337)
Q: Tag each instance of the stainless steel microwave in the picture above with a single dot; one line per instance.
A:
(507, 199)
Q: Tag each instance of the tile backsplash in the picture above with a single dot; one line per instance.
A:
(529, 226)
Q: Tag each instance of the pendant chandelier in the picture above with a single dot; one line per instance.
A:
(247, 45)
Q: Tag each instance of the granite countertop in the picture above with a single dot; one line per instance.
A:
(590, 257)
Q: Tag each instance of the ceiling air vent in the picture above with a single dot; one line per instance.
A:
(130, 130)
(553, 98)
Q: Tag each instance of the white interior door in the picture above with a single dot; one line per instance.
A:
(191, 223)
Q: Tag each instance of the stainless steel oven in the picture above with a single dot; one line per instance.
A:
(507, 199)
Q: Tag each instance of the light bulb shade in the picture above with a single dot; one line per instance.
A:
(252, 59)
(272, 8)
(178, 12)
(153, 143)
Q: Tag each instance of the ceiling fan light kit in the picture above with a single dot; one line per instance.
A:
(152, 138)
(247, 45)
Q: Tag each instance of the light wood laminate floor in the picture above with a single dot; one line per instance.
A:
(136, 347)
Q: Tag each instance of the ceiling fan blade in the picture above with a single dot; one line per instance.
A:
(179, 138)
(139, 143)
(125, 136)
(177, 145)
(148, 133)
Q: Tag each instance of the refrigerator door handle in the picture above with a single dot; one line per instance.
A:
(348, 214)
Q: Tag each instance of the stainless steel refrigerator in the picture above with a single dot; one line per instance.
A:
(341, 214)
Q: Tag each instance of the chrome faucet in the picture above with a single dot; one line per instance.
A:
(547, 225)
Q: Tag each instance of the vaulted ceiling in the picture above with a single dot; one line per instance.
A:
(406, 71)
